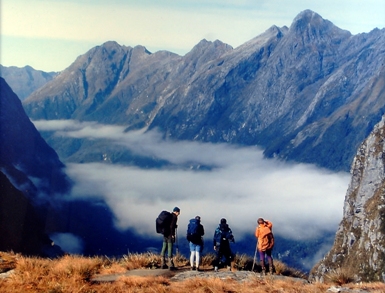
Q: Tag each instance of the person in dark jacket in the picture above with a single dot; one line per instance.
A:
(222, 238)
(169, 240)
(195, 232)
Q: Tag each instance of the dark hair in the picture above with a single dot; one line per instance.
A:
(176, 209)
(198, 218)
(223, 221)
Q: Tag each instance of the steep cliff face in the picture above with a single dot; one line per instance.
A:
(31, 178)
(22, 229)
(28, 161)
(359, 246)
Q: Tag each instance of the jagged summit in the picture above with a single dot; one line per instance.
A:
(312, 23)
(292, 91)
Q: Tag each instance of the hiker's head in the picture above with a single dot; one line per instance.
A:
(223, 221)
(176, 211)
(261, 221)
(198, 218)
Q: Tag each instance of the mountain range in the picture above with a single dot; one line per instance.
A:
(26, 80)
(308, 93)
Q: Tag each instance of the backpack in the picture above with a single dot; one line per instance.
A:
(223, 233)
(193, 233)
(163, 221)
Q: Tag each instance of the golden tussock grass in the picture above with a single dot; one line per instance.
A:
(70, 274)
(339, 276)
(8, 262)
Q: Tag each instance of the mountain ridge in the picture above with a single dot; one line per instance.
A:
(294, 91)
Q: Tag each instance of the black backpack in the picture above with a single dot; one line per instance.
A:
(163, 221)
(193, 233)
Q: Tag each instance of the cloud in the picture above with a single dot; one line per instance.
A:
(68, 242)
(301, 200)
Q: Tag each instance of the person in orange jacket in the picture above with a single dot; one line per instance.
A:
(265, 238)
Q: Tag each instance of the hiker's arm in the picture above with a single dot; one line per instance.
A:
(173, 225)
(269, 224)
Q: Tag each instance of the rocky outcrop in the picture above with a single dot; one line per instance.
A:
(359, 246)
(310, 93)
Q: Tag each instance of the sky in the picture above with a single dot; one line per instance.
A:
(301, 200)
(49, 35)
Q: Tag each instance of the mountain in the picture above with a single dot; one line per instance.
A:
(309, 93)
(31, 177)
(26, 80)
(24, 155)
(22, 229)
(359, 245)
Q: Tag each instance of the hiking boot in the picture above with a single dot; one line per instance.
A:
(263, 272)
(229, 268)
(163, 264)
(215, 269)
(199, 270)
(193, 268)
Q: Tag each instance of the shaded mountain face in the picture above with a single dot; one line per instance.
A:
(31, 178)
(309, 93)
(27, 160)
(359, 245)
(32, 208)
(22, 229)
(26, 80)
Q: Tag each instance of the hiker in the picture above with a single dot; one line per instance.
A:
(169, 233)
(195, 232)
(265, 239)
(222, 238)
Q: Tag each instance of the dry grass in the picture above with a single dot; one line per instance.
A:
(8, 262)
(73, 274)
(208, 259)
(339, 276)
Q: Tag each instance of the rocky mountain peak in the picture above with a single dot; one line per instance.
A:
(295, 92)
(311, 25)
(208, 48)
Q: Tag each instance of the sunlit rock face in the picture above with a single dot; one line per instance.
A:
(359, 246)
(311, 92)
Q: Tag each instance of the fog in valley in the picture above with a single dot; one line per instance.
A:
(205, 179)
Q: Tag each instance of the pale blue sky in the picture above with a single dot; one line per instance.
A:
(49, 35)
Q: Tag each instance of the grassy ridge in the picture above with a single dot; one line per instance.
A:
(74, 274)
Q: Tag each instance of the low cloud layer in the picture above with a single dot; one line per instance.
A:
(301, 200)
(68, 242)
